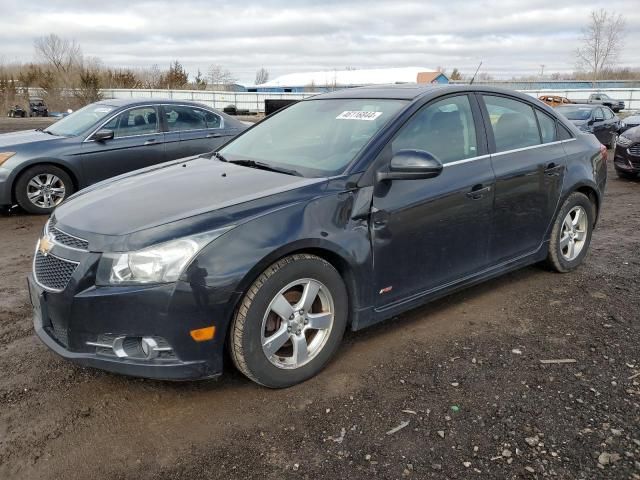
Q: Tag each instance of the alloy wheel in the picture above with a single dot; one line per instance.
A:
(573, 235)
(297, 323)
(46, 190)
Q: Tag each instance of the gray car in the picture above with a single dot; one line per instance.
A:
(40, 168)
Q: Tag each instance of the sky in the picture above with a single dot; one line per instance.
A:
(509, 37)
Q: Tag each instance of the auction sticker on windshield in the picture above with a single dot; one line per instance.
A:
(358, 115)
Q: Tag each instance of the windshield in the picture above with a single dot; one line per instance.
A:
(575, 113)
(317, 138)
(81, 120)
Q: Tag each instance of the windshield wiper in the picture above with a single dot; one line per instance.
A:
(45, 131)
(263, 166)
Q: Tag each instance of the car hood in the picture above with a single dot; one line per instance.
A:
(633, 120)
(633, 134)
(25, 136)
(171, 192)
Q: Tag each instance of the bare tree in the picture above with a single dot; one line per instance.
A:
(61, 53)
(220, 77)
(262, 76)
(602, 41)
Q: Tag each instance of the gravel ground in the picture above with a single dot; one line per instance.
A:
(455, 389)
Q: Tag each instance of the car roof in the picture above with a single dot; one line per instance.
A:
(414, 91)
(581, 105)
(126, 102)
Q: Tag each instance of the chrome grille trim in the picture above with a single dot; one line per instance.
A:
(65, 239)
(60, 271)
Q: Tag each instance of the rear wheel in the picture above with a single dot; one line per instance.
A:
(571, 233)
(290, 322)
(42, 188)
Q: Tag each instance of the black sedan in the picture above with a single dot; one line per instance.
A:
(40, 168)
(626, 159)
(596, 119)
(337, 212)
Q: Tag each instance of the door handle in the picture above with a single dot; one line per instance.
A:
(214, 135)
(552, 170)
(151, 141)
(477, 192)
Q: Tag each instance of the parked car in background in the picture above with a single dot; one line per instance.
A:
(554, 100)
(626, 159)
(631, 121)
(339, 211)
(40, 168)
(606, 100)
(598, 120)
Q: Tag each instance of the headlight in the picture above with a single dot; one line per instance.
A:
(624, 141)
(161, 263)
(4, 156)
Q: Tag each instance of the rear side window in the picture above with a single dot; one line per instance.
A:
(444, 128)
(608, 114)
(181, 118)
(513, 122)
(547, 127)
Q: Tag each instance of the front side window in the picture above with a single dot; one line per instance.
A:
(444, 128)
(547, 127)
(182, 118)
(513, 122)
(137, 121)
(608, 114)
(316, 138)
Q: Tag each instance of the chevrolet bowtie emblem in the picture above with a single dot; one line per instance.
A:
(45, 245)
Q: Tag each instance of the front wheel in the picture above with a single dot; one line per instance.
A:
(290, 322)
(571, 233)
(42, 188)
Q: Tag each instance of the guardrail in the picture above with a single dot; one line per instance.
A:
(254, 102)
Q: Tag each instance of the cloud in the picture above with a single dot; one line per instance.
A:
(510, 37)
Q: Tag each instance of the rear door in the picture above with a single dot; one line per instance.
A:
(529, 163)
(427, 233)
(138, 142)
(193, 130)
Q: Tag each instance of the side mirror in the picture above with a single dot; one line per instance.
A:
(103, 135)
(411, 165)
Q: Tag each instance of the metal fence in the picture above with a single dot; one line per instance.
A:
(254, 102)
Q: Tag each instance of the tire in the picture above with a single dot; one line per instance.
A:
(60, 187)
(23, 114)
(256, 316)
(626, 175)
(560, 257)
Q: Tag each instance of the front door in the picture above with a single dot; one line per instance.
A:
(428, 233)
(137, 143)
(529, 163)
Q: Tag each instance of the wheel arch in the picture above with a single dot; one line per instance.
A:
(328, 251)
(592, 195)
(53, 162)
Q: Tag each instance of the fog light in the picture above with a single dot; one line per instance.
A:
(149, 347)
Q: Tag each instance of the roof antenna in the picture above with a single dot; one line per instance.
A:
(474, 75)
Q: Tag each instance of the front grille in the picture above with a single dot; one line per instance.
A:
(635, 150)
(53, 272)
(69, 240)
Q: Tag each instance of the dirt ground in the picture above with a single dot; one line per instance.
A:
(464, 374)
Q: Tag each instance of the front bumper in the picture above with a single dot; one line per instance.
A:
(625, 161)
(66, 322)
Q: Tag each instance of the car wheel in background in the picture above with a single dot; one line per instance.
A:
(571, 233)
(41, 188)
(290, 322)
